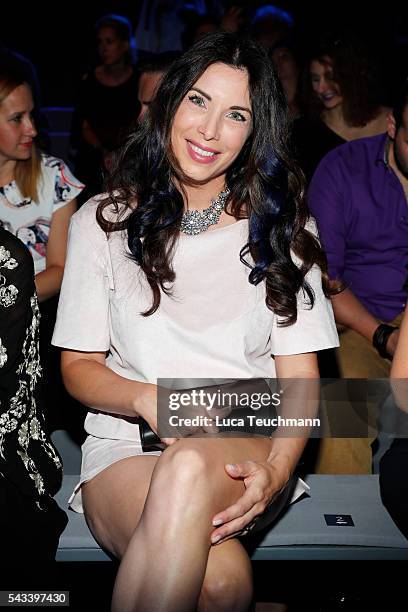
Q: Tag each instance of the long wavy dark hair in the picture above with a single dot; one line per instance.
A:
(264, 183)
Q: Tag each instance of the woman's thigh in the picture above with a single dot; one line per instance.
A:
(114, 499)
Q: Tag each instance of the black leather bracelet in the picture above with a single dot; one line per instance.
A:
(380, 338)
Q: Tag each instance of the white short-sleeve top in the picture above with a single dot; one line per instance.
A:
(214, 325)
(30, 220)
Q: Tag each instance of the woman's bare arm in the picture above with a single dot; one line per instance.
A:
(90, 381)
(48, 282)
(286, 451)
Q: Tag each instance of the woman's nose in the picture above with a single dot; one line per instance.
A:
(323, 85)
(317, 86)
(30, 128)
(209, 127)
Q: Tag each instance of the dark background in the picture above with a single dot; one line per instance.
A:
(58, 37)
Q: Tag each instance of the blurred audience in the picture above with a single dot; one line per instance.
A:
(286, 60)
(358, 196)
(151, 74)
(107, 103)
(341, 98)
(230, 18)
(161, 24)
(270, 25)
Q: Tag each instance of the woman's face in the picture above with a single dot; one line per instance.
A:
(17, 129)
(111, 48)
(212, 123)
(326, 89)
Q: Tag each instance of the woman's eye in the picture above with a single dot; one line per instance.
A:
(17, 119)
(198, 100)
(237, 116)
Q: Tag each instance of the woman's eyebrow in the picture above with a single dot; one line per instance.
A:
(206, 95)
(243, 108)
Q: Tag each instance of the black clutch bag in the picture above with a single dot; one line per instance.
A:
(149, 439)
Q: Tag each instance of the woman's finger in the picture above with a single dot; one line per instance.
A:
(240, 526)
(258, 491)
(169, 441)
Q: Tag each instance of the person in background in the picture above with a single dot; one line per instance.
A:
(286, 61)
(161, 23)
(232, 17)
(30, 467)
(37, 192)
(270, 25)
(37, 199)
(341, 99)
(107, 103)
(10, 57)
(199, 262)
(151, 74)
(358, 196)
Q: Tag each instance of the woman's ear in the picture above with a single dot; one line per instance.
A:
(391, 126)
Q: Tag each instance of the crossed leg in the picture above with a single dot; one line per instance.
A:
(155, 515)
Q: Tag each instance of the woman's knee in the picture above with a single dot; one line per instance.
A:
(183, 483)
(184, 465)
(226, 591)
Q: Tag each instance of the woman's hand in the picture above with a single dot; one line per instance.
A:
(263, 482)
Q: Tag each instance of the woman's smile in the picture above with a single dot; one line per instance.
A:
(201, 154)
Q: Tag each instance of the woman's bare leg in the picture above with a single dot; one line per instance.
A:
(165, 563)
(114, 500)
(227, 583)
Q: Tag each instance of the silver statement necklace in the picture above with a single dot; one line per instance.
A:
(194, 221)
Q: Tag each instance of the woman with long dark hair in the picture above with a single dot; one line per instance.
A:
(198, 263)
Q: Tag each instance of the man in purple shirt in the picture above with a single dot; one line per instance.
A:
(358, 195)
